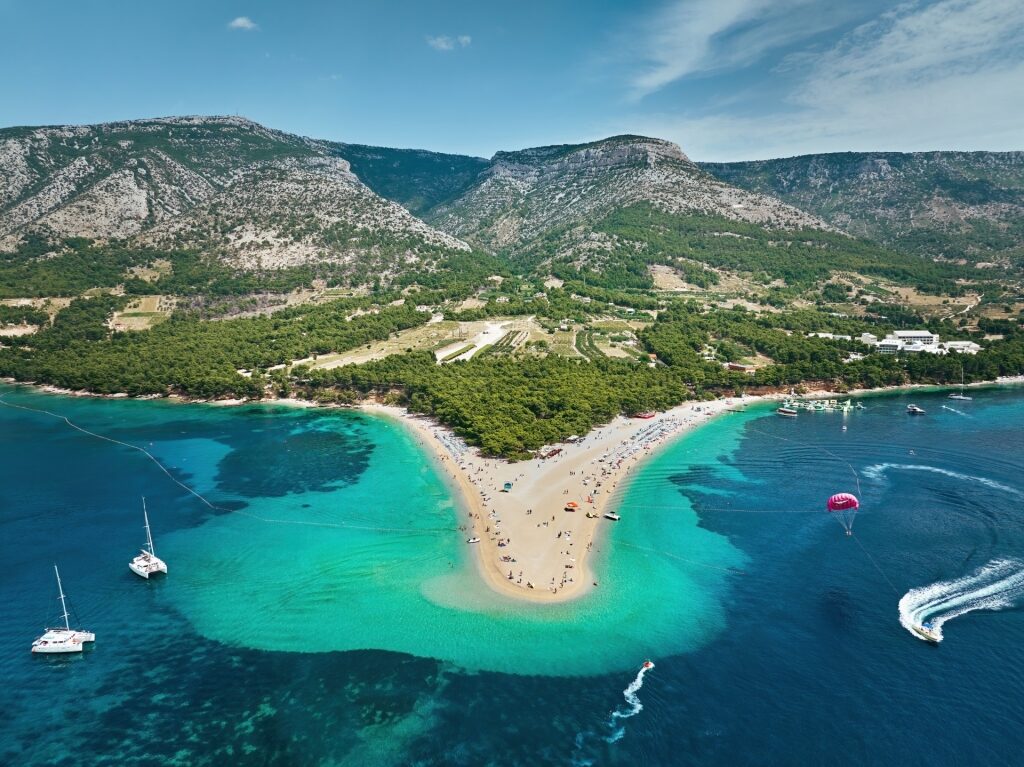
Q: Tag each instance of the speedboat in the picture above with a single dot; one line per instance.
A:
(788, 412)
(914, 410)
(612, 516)
(926, 632)
(648, 664)
(62, 640)
(474, 539)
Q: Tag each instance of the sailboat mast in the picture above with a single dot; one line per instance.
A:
(149, 535)
(63, 604)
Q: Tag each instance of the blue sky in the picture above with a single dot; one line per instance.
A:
(726, 79)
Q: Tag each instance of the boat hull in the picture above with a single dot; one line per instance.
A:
(925, 635)
(59, 641)
(145, 567)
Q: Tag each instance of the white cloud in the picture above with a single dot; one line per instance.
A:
(694, 36)
(926, 75)
(244, 23)
(448, 43)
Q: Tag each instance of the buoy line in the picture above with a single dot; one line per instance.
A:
(734, 570)
(208, 503)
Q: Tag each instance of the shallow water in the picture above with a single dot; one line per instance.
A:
(312, 639)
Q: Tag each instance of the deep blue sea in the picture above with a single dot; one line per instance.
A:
(323, 612)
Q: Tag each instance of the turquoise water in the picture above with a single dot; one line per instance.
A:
(333, 531)
(327, 613)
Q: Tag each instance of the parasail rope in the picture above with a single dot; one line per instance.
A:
(876, 565)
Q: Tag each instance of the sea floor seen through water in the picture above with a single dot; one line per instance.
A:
(327, 610)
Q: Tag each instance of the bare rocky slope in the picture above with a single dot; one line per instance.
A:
(254, 197)
(950, 204)
(526, 195)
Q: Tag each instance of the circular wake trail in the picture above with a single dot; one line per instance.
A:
(996, 585)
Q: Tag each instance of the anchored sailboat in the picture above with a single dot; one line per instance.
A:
(961, 395)
(147, 562)
(60, 640)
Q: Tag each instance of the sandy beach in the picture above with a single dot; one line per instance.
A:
(529, 545)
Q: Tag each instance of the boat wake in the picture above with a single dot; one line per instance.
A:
(584, 754)
(632, 708)
(958, 412)
(879, 469)
(994, 586)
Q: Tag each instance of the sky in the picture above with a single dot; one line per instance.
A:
(725, 79)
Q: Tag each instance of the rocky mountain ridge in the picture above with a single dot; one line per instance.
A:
(525, 195)
(947, 204)
(254, 197)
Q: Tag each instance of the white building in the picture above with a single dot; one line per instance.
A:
(916, 342)
(890, 345)
(829, 336)
(925, 337)
(962, 347)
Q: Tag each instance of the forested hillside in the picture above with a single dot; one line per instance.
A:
(417, 179)
(553, 288)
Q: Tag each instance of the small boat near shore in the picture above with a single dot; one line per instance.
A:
(612, 516)
(787, 412)
(915, 410)
(62, 640)
(960, 395)
(474, 539)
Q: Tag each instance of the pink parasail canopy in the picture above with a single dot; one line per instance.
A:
(843, 502)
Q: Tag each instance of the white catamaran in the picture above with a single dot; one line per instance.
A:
(147, 562)
(64, 639)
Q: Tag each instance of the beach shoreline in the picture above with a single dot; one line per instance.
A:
(529, 546)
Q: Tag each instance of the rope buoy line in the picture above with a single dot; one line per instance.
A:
(213, 506)
(669, 554)
(414, 531)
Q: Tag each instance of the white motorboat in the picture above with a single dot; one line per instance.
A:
(147, 562)
(612, 516)
(926, 632)
(474, 539)
(787, 412)
(914, 410)
(62, 640)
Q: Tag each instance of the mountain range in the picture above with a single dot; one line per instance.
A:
(257, 199)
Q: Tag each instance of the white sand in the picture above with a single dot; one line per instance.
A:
(526, 533)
